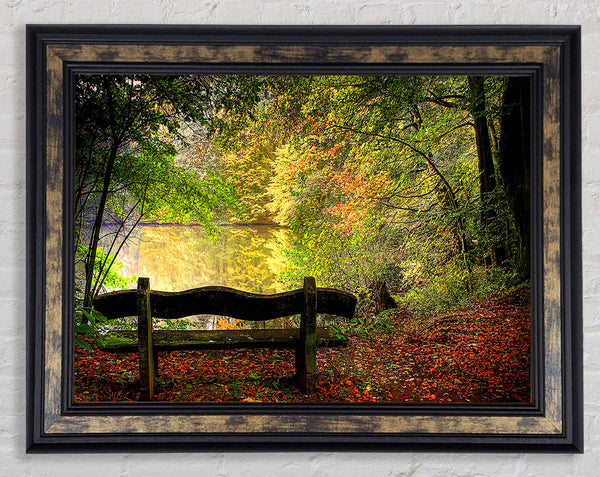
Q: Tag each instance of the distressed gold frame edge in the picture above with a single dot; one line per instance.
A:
(58, 425)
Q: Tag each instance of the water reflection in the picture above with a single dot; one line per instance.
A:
(177, 257)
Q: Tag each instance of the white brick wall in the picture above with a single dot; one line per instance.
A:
(14, 14)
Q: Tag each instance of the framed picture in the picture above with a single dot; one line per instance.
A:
(426, 180)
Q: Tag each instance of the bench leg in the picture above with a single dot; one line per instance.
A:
(306, 352)
(155, 356)
(145, 348)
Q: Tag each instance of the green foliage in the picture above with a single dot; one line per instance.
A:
(87, 324)
(379, 177)
(181, 324)
(336, 258)
(365, 326)
(127, 128)
(452, 288)
(106, 262)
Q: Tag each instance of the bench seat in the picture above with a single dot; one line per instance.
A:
(171, 340)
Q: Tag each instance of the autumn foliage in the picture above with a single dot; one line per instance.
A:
(392, 179)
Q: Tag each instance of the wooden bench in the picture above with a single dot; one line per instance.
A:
(146, 303)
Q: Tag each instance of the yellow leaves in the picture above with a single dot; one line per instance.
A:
(249, 399)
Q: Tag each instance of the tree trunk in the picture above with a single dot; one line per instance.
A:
(487, 179)
(515, 158)
(380, 297)
(90, 262)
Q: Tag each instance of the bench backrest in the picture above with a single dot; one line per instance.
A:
(215, 300)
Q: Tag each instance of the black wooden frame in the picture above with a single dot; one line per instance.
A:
(549, 55)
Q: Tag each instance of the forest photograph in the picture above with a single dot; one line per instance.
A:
(408, 195)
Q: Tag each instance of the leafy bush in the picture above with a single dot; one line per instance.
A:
(87, 324)
(365, 326)
(454, 287)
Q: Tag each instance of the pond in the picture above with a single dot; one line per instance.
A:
(180, 257)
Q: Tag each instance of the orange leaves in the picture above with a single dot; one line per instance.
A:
(355, 195)
(348, 214)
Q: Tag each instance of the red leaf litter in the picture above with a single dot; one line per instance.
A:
(480, 354)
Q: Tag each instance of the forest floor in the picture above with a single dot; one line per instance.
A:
(479, 354)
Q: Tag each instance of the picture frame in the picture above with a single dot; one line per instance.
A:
(549, 55)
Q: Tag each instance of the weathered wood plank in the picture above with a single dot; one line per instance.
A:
(335, 302)
(306, 352)
(117, 304)
(144, 332)
(170, 340)
(226, 302)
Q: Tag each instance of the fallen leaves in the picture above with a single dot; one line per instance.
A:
(480, 354)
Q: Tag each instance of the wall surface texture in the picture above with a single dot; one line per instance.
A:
(15, 14)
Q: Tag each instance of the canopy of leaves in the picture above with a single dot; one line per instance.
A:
(381, 176)
(377, 173)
